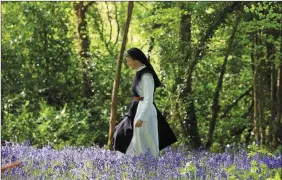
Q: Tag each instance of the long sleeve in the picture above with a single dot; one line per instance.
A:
(147, 83)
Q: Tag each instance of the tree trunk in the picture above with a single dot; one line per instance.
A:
(261, 85)
(188, 122)
(278, 119)
(186, 92)
(117, 77)
(255, 113)
(248, 138)
(221, 17)
(84, 43)
(215, 107)
(271, 58)
(266, 82)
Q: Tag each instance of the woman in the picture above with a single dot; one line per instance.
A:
(143, 127)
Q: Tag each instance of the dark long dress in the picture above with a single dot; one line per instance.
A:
(124, 130)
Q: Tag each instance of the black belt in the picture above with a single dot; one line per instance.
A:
(138, 98)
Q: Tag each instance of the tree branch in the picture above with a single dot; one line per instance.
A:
(100, 31)
(151, 46)
(109, 19)
(215, 106)
(229, 107)
(118, 29)
(221, 18)
(88, 5)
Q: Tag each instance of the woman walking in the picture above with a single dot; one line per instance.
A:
(143, 127)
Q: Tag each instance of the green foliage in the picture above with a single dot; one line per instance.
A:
(43, 84)
(64, 127)
(256, 171)
(40, 77)
(254, 149)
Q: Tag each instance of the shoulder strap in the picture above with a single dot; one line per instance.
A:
(138, 76)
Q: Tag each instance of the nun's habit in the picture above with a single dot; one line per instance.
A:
(155, 132)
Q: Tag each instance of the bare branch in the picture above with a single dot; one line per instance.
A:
(229, 107)
(97, 21)
(109, 19)
(216, 106)
(118, 29)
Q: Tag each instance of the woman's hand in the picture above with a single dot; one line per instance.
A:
(139, 123)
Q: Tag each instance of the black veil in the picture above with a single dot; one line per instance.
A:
(138, 55)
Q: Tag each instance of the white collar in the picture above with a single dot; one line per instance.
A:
(141, 67)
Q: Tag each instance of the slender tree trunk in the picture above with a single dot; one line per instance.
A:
(271, 58)
(278, 119)
(186, 92)
(188, 122)
(84, 43)
(257, 114)
(215, 106)
(262, 72)
(278, 124)
(254, 99)
(117, 77)
(248, 138)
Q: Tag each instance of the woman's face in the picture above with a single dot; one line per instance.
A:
(133, 64)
